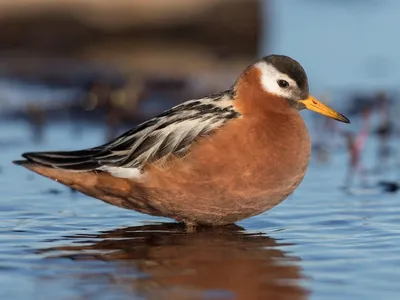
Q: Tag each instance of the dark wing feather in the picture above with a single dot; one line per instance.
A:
(172, 132)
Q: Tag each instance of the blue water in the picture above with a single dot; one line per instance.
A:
(321, 243)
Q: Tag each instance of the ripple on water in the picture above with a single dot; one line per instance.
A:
(319, 243)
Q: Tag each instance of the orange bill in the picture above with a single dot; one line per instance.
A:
(313, 104)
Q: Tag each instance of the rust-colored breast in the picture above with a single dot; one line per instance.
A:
(243, 170)
(247, 167)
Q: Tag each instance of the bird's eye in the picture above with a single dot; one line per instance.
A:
(283, 83)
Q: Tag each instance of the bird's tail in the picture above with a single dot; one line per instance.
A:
(82, 160)
(77, 170)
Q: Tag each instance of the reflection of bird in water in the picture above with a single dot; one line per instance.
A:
(355, 146)
(214, 160)
(165, 262)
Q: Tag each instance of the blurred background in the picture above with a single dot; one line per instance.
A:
(76, 73)
(118, 63)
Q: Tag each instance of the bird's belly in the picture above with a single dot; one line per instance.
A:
(225, 192)
(221, 200)
(232, 176)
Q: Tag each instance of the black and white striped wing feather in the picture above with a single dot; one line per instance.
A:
(171, 133)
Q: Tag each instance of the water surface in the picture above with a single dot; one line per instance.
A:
(321, 243)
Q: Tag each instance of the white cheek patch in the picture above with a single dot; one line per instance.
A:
(269, 77)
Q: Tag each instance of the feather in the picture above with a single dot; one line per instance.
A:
(170, 133)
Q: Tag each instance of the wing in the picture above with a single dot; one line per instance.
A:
(170, 133)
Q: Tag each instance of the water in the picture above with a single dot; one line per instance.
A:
(321, 243)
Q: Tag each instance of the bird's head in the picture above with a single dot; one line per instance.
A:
(283, 77)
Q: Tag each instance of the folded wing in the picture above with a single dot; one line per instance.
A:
(171, 133)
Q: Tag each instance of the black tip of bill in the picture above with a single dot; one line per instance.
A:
(342, 118)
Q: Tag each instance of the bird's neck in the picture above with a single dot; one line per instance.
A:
(251, 99)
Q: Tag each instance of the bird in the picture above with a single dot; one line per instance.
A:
(210, 161)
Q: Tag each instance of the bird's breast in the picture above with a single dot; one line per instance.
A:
(247, 156)
(268, 154)
(244, 169)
